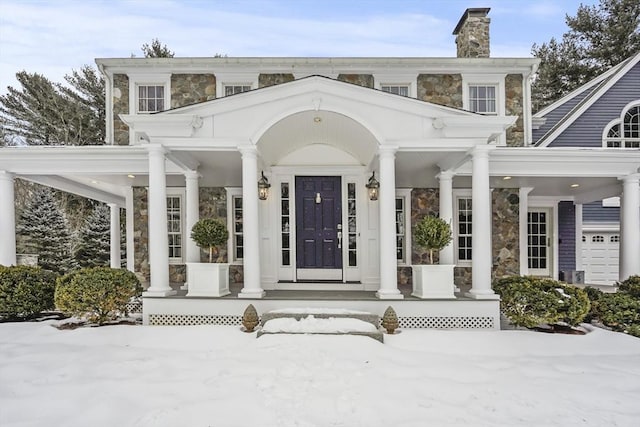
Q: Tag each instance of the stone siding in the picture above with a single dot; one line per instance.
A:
(213, 204)
(189, 89)
(365, 80)
(120, 106)
(514, 107)
(441, 89)
(472, 39)
(265, 80)
(424, 202)
(505, 232)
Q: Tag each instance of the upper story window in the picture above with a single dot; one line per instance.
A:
(624, 132)
(150, 98)
(482, 99)
(233, 89)
(402, 90)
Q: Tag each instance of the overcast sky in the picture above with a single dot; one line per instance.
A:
(52, 37)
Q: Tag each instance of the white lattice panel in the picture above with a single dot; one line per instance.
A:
(193, 319)
(461, 322)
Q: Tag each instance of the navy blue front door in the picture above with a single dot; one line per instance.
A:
(318, 222)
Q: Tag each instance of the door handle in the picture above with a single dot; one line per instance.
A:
(339, 239)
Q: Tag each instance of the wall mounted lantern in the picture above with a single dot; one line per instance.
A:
(373, 186)
(263, 187)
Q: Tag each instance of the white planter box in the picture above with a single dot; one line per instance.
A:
(433, 281)
(207, 279)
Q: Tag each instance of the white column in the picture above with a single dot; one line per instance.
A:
(7, 220)
(523, 229)
(481, 262)
(158, 239)
(129, 223)
(115, 235)
(387, 200)
(630, 223)
(446, 212)
(578, 214)
(192, 214)
(250, 224)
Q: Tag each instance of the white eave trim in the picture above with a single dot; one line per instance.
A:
(176, 125)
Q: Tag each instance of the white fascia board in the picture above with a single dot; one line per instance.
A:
(592, 98)
(476, 126)
(154, 125)
(80, 160)
(80, 189)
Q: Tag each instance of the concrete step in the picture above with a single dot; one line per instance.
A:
(323, 318)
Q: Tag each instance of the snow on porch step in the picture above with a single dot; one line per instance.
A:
(321, 321)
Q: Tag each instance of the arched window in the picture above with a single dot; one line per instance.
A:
(625, 131)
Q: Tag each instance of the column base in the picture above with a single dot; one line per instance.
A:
(483, 295)
(185, 286)
(158, 293)
(252, 294)
(389, 295)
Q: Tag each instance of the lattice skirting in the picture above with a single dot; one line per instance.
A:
(462, 322)
(134, 307)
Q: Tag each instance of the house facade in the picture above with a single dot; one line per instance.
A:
(189, 138)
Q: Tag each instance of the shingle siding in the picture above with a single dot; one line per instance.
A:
(557, 114)
(594, 212)
(566, 236)
(587, 130)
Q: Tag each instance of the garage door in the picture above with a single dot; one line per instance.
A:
(600, 257)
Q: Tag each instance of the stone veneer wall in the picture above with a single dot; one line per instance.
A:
(265, 80)
(192, 88)
(514, 107)
(213, 204)
(120, 106)
(441, 89)
(365, 80)
(472, 40)
(505, 232)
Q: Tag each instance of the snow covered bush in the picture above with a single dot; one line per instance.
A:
(98, 293)
(620, 311)
(530, 301)
(25, 291)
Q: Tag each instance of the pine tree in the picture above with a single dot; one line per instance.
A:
(599, 37)
(94, 239)
(45, 232)
(156, 50)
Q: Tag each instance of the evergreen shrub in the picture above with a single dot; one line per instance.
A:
(25, 291)
(620, 311)
(99, 293)
(530, 301)
(630, 286)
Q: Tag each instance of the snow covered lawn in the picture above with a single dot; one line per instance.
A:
(219, 376)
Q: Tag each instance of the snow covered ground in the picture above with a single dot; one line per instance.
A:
(219, 376)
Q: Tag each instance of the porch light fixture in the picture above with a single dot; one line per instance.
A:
(373, 186)
(263, 187)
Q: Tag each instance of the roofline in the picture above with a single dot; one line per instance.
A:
(302, 64)
(546, 110)
(568, 119)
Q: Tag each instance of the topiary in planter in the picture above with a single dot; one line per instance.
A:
(25, 291)
(98, 293)
(433, 234)
(209, 233)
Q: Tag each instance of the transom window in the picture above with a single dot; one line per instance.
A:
(402, 90)
(233, 89)
(150, 98)
(625, 131)
(482, 99)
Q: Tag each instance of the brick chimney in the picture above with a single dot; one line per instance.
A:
(472, 33)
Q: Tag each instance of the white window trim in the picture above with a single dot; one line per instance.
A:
(497, 80)
(619, 121)
(235, 79)
(159, 79)
(181, 193)
(397, 80)
(231, 252)
(459, 194)
(405, 193)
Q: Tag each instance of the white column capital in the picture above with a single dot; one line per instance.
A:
(248, 151)
(387, 151)
(481, 151)
(7, 176)
(156, 149)
(445, 175)
(191, 174)
(631, 178)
